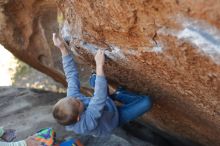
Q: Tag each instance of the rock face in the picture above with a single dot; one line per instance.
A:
(26, 28)
(168, 49)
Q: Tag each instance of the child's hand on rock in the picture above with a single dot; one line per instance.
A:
(100, 58)
(57, 41)
(100, 61)
(60, 44)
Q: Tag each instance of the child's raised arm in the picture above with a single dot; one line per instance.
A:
(60, 44)
(70, 69)
(96, 105)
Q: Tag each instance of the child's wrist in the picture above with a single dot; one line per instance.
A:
(100, 66)
(62, 48)
(99, 70)
(64, 51)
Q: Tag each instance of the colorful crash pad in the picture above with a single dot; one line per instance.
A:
(46, 136)
(71, 142)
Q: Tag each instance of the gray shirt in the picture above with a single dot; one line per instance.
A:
(100, 116)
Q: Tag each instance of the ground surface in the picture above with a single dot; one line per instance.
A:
(29, 110)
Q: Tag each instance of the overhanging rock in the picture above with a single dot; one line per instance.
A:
(167, 49)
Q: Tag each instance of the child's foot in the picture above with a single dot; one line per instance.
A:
(115, 90)
(9, 135)
(111, 89)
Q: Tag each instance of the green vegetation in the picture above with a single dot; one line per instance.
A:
(22, 69)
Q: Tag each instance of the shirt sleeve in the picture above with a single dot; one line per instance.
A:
(72, 77)
(19, 143)
(1, 131)
(96, 105)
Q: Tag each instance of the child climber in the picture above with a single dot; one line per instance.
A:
(98, 115)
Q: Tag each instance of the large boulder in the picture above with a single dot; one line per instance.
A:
(26, 28)
(167, 49)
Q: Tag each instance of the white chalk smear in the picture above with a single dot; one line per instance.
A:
(204, 36)
(207, 43)
(138, 51)
(115, 53)
(157, 49)
(133, 52)
(66, 31)
(91, 48)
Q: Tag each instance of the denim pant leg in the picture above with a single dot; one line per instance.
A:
(136, 107)
(92, 81)
(124, 96)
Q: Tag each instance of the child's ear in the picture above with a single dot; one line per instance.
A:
(78, 118)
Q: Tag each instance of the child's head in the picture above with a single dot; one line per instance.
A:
(67, 111)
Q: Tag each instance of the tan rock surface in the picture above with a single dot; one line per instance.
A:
(26, 27)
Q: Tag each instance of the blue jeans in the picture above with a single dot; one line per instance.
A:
(134, 105)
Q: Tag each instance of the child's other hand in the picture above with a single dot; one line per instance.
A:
(100, 61)
(9, 135)
(57, 42)
(100, 58)
(60, 44)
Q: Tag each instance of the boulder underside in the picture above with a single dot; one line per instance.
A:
(167, 49)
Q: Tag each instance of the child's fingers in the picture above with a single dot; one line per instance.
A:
(100, 51)
(54, 37)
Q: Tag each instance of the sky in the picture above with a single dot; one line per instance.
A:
(7, 65)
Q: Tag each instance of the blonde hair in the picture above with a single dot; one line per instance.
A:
(65, 112)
